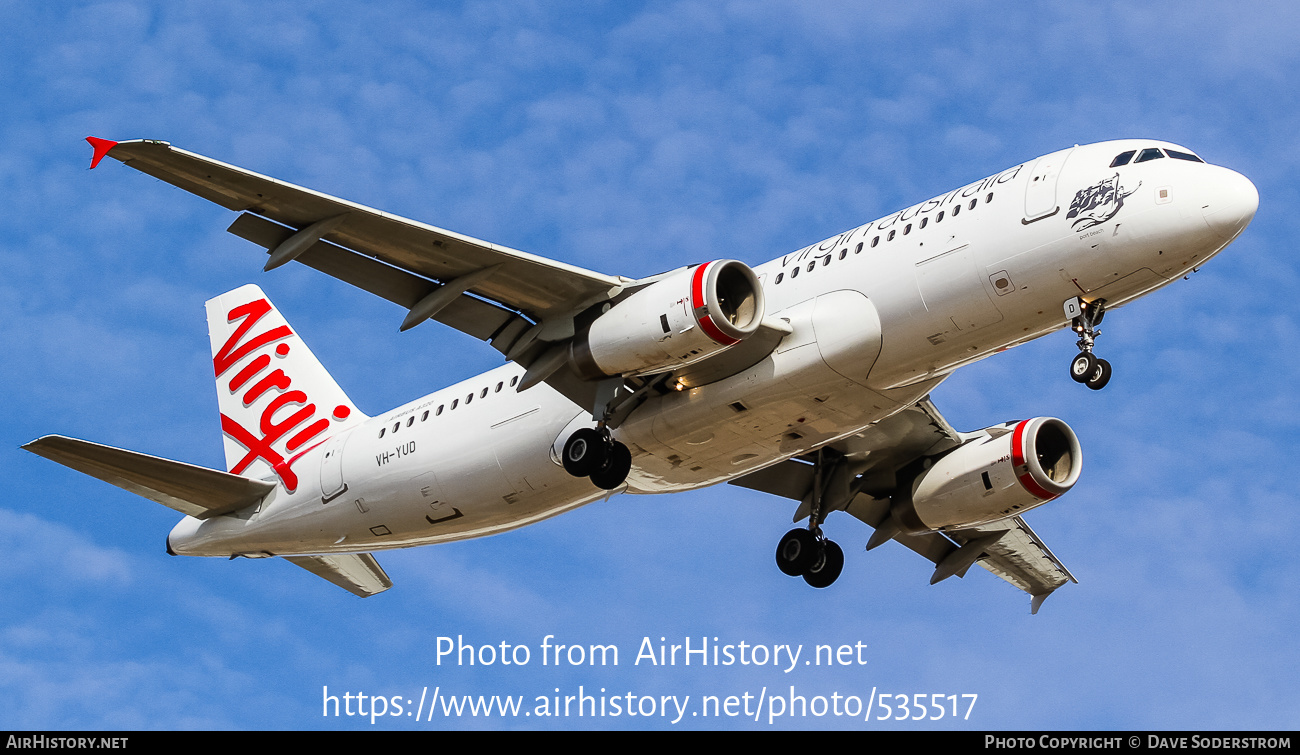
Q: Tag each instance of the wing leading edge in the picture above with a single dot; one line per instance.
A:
(1008, 548)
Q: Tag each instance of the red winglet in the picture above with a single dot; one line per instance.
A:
(102, 147)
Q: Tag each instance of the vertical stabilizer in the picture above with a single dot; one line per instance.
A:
(277, 401)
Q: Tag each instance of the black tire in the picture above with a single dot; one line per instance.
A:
(584, 452)
(614, 472)
(1100, 377)
(796, 552)
(1083, 366)
(827, 567)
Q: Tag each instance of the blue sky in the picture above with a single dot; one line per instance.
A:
(633, 138)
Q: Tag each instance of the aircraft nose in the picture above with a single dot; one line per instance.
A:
(1231, 203)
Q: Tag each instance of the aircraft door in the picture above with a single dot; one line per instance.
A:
(331, 468)
(1040, 192)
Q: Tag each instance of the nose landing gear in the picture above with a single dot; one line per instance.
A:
(594, 453)
(1086, 368)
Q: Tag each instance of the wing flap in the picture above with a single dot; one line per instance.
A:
(1020, 557)
(539, 287)
(480, 319)
(192, 490)
(358, 573)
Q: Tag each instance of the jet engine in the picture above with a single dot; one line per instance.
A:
(685, 316)
(1005, 471)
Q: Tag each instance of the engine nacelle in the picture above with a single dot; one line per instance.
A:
(999, 475)
(686, 316)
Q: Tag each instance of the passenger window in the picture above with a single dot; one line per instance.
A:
(874, 241)
(498, 390)
(1183, 156)
(1122, 158)
(410, 421)
(514, 380)
(424, 416)
(455, 402)
(483, 393)
(468, 399)
(826, 260)
(956, 209)
(439, 412)
(779, 277)
(844, 252)
(794, 273)
(907, 229)
(988, 198)
(858, 250)
(382, 430)
(811, 265)
(396, 426)
(890, 237)
(940, 218)
(972, 204)
(925, 222)
(1150, 153)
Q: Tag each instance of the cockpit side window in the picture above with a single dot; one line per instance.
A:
(1183, 156)
(1150, 153)
(1122, 158)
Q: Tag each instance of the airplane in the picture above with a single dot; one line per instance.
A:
(806, 377)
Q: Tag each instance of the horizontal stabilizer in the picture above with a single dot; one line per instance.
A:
(197, 491)
(358, 573)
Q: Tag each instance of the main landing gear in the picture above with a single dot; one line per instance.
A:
(803, 553)
(1086, 368)
(593, 452)
(806, 552)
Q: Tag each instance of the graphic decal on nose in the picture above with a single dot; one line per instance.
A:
(1098, 203)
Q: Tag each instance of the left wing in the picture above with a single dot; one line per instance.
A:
(1008, 548)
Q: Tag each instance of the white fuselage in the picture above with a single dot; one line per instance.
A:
(880, 315)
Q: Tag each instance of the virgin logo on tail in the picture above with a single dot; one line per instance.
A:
(279, 419)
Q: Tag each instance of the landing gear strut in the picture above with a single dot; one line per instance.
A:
(806, 552)
(1086, 368)
(594, 453)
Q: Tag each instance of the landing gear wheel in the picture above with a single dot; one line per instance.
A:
(826, 568)
(1083, 367)
(585, 452)
(796, 552)
(614, 471)
(1100, 377)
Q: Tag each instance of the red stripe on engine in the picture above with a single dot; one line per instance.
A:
(711, 330)
(699, 302)
(1018, 462)
(697, 287)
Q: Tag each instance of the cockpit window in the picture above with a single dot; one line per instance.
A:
(1150, 153)
(1183, 156)
(1122, 158)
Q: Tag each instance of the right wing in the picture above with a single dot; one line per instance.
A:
(524, 305)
